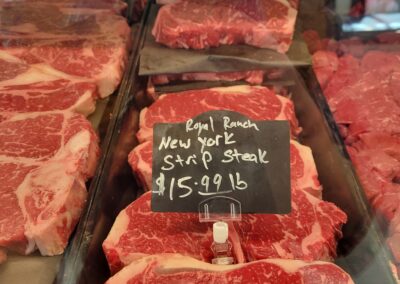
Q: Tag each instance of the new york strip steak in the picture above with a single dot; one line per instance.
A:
(310, 232)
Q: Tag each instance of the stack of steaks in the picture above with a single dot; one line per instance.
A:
(363, 90)
(148, 245)
(203, 24)
(191, 24)
(56, 59)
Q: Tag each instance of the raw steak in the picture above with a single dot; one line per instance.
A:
(383, 62)
(258, 103)
(114, 5)
(304, 174)
(363, 94)
(325, 64)
(315, 43)
(364, 97)
(200, 24)
(349, 46)
(365, 100)
(138, 232)
(379, 141)
(51, 21)
(38, 87)
(47, 96)
(117, 6)
(253, 77)
(175, 268)
(89, 44)
(90, 60)
(141, 160)
(303, 171)
(45, 159)
(309, 232)
(346, 73)
(394, 85)
(376, 157)
(14, 72)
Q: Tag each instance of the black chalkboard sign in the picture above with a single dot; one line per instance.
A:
(220, 156)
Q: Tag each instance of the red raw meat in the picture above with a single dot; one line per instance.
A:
(98, 61)
(304, 174)
(382, 62)
(52, 21)
(30, 88)
(376, 157)
(175, 268)
(376, 170)
(141, 160)
(200, 24)
(312, 40)
(388, 202)
(309, 232)
(347, 72)
(116, 6)
(14, 72)
(315, 43)
(394, 85)
(325, 64)
(376, 173)
(379, 141)
(45, 159)
(378, 113)
(138, 232)
(303, 171)
(364, 99)
(314, 225)
(253, 77)
(258, 103)
(47, 96)
(86, 44)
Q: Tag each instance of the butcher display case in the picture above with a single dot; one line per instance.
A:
(168, 85)
(243, 142)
